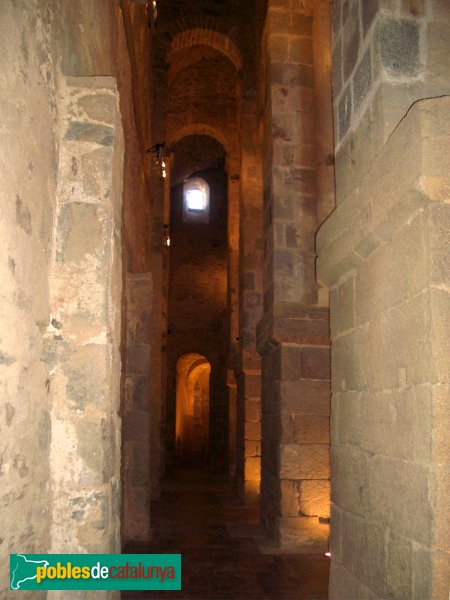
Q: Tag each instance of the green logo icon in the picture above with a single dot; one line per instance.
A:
(95, 571)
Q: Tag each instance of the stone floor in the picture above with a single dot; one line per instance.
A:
(218, 537)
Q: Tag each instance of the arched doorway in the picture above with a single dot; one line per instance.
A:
(192, 409)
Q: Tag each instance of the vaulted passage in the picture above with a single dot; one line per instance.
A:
(224, 297)
(220, 541)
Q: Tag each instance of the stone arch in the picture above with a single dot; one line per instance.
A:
(205, 37)
(202, 129)
(192, 407)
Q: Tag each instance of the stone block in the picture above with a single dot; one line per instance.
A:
(90, 132)
(300, 50)
(399, 567)
(350, 361)
(431, 572)
(399, 46)
(252, 468)
(440, 395)
(394, 271)
(341, 581)
(252, 385)
(314, 498)
(362, 151)
(403, 334)
(283, 208)
(304, 461)
(99, 107)
(302, 24)
(438, 57)
(362, 80)
(288, 499)
(278, 48)
(342, 302)
(139, 477)
(315, 363)
(336, 533)
(141, 394)
(139, 456)
(337, 14)
(96, 447)
(351, 40)
(87, 372)
(363, 551)
(138, 359)
(398, 489)
(311, 429)
(83, 231)
(439, 246)
(287, 429)
(278, 21)
(350, 478)
(336, 67)
(303, 180)
(136, 427)
(369, 9)
(253, 410)
(307, 397)
(252, 431)
(290, 363)
(440, 344)
(288, 74)
(252, 448)
(344, 114)
(440, 489)
(343, 165)
(397, 423)
(23, 217)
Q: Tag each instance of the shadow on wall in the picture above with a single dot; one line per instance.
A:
(192, 409)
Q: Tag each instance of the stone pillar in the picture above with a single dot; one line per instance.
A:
(136, 411)
(248, 371)
(160, 194)
(232, 168)
(383, 254)
(389, 307)
(232, 425)
(293, 334)
(84, 334)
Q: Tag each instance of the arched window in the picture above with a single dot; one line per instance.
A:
(196, 200)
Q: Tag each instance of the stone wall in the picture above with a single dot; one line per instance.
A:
(381, 253)
(62, 160)
(27, 199)
(293, 333)
(248, 367)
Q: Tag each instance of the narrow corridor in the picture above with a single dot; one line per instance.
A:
(219, 540)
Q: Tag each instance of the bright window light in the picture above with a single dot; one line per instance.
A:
(195, 200)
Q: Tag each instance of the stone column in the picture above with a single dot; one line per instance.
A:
(136, 449)
(248, 371)
(232, 425)
(293, 334)
(232, 168)
(84, 334)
